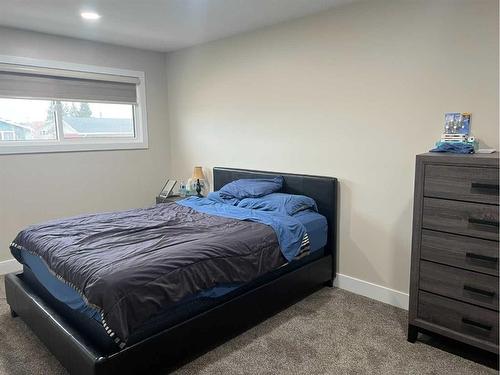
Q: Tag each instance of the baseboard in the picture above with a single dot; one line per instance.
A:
(373, 291)
(8, 266)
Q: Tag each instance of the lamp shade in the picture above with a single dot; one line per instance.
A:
(198, 174)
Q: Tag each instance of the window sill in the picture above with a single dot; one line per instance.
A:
(50, 147)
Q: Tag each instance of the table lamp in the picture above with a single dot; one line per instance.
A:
(200, 179)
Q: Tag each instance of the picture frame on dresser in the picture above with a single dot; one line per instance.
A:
(455, 255)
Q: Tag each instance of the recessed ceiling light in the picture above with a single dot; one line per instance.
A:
(90, 16)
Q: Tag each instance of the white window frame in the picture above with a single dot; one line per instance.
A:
(140, 141)
(3, 132)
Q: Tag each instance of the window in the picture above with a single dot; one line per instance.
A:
(28, 119)
(97, 120)
(51, 107)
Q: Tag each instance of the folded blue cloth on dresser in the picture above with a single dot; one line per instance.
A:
(454, 147)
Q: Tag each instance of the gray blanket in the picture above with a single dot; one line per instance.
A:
(131, 265)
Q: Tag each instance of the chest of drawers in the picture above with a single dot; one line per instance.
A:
(454, 281)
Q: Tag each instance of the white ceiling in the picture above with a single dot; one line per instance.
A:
(161, 25)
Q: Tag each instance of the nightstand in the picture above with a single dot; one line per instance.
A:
(172, 198)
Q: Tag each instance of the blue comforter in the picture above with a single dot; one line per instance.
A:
(289, 230)
(131, 266)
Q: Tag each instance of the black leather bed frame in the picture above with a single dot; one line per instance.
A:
(176, 345)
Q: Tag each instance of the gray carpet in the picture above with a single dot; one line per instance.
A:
(330, 332)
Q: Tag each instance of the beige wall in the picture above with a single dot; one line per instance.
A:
(38, 187)
(354, 93)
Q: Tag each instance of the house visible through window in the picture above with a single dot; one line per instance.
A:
(46, 109)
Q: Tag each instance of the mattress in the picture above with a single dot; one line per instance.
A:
(71, 304)
(93, 331)
(316, 228)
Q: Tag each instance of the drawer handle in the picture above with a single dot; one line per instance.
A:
(481, 257)
(491, 188)
(473, 220)
(476, 324)
(486, 293)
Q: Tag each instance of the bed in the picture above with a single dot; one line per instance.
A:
(197, 324)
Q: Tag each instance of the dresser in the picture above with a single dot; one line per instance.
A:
(455, 249)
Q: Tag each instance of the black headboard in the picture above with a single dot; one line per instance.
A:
(322, 189)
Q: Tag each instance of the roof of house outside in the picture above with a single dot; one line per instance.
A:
(98, 125)
(10, 123)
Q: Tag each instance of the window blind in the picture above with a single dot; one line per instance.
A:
(18, 81)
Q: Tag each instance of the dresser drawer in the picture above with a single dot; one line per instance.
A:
(475, 322)
(465, 252)
(472, 219)
(473, 184)
(467, 286)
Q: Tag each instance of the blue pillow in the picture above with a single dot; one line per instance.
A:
(216, 197)
(288, 204)
(251, 188)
